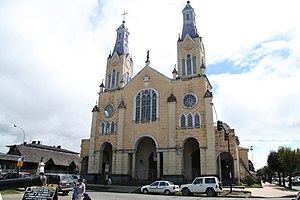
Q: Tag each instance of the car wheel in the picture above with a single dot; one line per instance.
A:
(167, 192)
(185, 192)
(145, 191)
(210, 192)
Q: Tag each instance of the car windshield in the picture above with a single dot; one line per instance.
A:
(66, 178)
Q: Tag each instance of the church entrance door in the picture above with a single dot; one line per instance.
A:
(226, 164)
(191, 159)
(146, 159)
(106, 151)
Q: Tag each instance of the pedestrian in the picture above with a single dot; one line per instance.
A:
(86, 196)
(106, 179)
(109, 182)
(43, 178)
(75, 194)
(96, 179)
(79, 190)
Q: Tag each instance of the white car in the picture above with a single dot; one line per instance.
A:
(205, 184)
(162, 187)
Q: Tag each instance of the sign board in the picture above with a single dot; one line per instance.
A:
(20, 161)
(46, 192)
(106, 168)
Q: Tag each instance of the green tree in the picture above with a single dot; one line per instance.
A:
(266, 173)
(274, 164)
(289, 159)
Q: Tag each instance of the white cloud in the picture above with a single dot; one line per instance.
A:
(261, 104)
(53, 58)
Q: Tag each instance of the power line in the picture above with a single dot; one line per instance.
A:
(272, 140)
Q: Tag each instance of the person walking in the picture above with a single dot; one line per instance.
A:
(86, 196)
(79, 190)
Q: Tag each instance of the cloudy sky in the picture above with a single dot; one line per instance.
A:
(53, 57)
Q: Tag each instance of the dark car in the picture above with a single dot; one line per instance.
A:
(76, 178)
(65, 182)
(11, 175)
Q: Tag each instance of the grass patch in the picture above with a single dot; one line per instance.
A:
(5, 192)
(255, 185)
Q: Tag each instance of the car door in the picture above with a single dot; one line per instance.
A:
(161, 186)
(153, 188)
(198, 185)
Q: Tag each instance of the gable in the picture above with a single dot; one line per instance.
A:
(146, 76)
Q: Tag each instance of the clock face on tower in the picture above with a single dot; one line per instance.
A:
(109, 110)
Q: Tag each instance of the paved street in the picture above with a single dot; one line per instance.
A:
(268, 191)
(120, 196)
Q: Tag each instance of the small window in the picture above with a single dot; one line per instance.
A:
(197, 120)
(155, 183)
(162, 184)
(187, 17)
(113, 127)
(190, 120)
(107, 128)
(182, 121)
(198, 181)
(210, 180)
(102, 128)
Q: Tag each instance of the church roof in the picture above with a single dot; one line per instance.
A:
(188, 6)
(189, 22)
(121, 45)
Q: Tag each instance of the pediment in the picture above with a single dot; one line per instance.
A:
(148, 75)
(188, 43)
(115, 59)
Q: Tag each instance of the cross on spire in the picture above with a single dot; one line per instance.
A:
(125, 13)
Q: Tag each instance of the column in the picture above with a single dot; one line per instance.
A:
(133, 165)
(158, 165)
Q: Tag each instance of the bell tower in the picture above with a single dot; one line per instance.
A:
(190, 48)
(119, 66)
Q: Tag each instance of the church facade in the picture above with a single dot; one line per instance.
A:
(149, 126)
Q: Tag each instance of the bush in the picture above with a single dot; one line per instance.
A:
(251, 180)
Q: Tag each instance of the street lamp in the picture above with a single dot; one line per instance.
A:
(22, 131)
(251, 149)
(219, 132)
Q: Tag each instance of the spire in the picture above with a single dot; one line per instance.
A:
(189, 23)
(121, 46)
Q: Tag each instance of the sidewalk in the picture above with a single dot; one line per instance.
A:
(113, 188)
(267, 191)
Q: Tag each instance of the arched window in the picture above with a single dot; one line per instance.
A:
(182, 121)
(102, 128)
(113, 81)
(194, 65)
(183, 67)
(117, 79)
(109, 81)
(146, 106)
(107, 131)
(188, 64)
(187, 17)
(113, 127)
(190, 120)
(197, 120)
